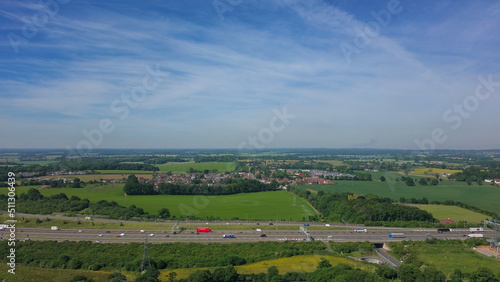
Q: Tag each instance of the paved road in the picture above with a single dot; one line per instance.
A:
(379, 235)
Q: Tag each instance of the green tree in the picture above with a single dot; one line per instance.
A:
(382, 178)
(81, 278)
(116, 277)
(200, 276)
(482, 274)
(76, 183)
(226, 274)
(324, 263)
(456, 276)
(164, 213)
(431, 274)
(271, 273)
(409, 273)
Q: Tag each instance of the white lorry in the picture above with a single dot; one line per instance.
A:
(475, 235)
(476, 229)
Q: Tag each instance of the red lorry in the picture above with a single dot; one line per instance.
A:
(200, 230)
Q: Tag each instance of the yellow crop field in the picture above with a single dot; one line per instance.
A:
(304, 263)
(422, 171)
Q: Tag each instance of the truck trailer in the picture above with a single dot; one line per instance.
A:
(202, 230)
(228, 236)
(475, 235)
(476, 229)
(360, 230)
(397, 235)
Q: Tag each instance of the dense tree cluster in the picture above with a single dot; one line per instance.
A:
(477, 174)
(346, 207)
(128, 257)
(229, 186)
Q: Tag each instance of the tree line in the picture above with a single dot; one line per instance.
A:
(346, 207)
(128, 257)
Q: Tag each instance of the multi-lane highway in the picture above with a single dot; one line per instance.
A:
(376, 235)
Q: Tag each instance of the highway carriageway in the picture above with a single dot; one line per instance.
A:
(110, 235)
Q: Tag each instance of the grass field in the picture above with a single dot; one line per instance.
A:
(36, 274)
(453, 212)
(482, 196)
(451, 257)
(273, 205)
(303, 263)
(184, 167)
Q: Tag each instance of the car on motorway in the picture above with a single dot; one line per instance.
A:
(118, 236)
(108, 231)
(306, 224)
(100, 235)
(122, 234)
(327, 225)
(97, 241)
(151, 235)
(330, 236)
(80, 231)
(270, 223)
(167, 236)
(142, 231)
(263, 235)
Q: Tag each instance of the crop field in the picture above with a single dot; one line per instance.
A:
(184, 167)
(482, 196)
(422, 171)
(303, 263)
(333, 162)
(274, 205)
(453, 212)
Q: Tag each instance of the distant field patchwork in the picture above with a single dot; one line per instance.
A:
(184, 167)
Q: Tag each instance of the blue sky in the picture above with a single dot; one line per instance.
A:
(374, 74)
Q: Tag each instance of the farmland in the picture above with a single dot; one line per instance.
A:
(259, 206)
(184, 167)
(477, 195)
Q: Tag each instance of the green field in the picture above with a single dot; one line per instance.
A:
(454, 256)
(482, 196)
(275, 205)
(453, 212)
(184, 167)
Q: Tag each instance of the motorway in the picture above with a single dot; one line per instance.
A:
(375, 235)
